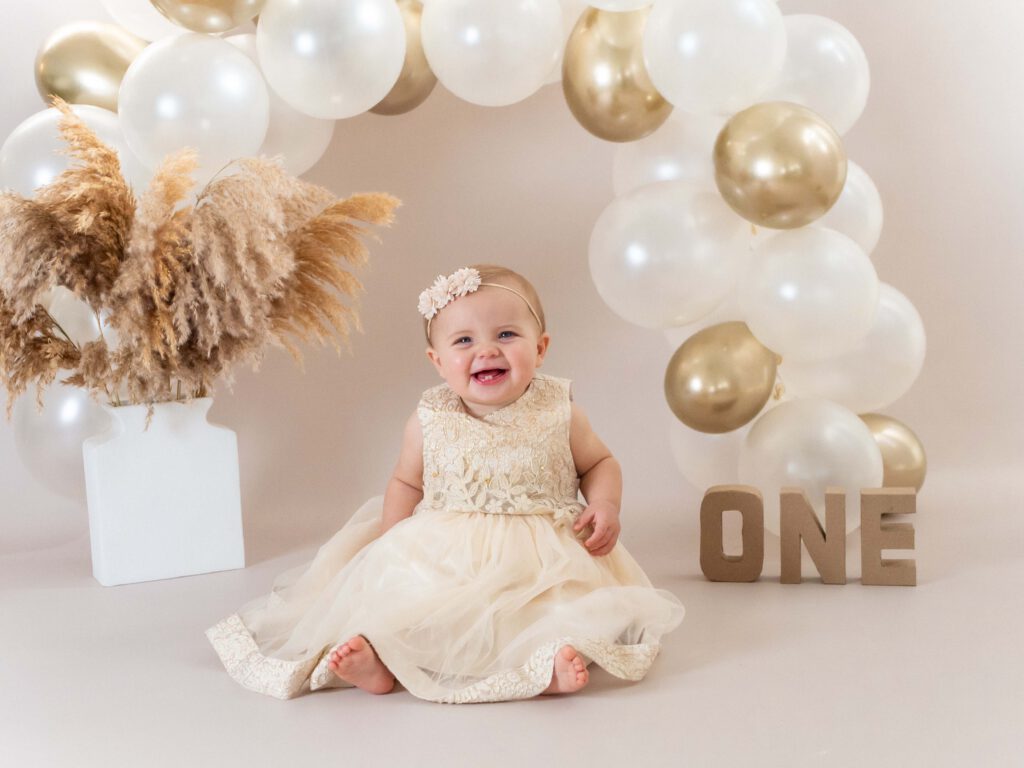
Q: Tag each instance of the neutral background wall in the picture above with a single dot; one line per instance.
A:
(523, 185)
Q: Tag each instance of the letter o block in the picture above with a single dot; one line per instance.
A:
(717, 565)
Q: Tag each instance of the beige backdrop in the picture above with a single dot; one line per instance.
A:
(523, 185)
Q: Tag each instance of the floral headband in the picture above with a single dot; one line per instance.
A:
(459, 283)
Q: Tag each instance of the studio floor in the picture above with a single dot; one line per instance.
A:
(762, 673)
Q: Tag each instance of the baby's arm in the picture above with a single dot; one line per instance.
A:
(405, 488)
(600, 482)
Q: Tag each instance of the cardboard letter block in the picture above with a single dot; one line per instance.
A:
(827, 548)
(717, 565)
(876, 504)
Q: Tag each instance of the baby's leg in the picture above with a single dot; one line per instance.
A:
(570, 673)
(356, 662)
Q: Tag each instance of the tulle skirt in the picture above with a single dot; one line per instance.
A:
(461, 606)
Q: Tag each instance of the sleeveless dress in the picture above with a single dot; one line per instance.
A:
(469, 598)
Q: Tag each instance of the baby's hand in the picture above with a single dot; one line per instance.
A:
(605, 517)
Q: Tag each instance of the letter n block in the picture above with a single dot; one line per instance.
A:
(717, 565)
(827, 547)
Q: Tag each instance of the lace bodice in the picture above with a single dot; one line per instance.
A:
(513, 461)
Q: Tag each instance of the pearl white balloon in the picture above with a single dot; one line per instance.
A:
(620, 5)
(140, 17)
(667, 253)
(299, 138)
(825, 70)
(74, 316)
(714, 56)
(492, 52)
(810, 444)
(49, 444)
(31, 156)
(198, 91)
(878, 371)
(809, 294)
(858, 211)
(680, 149)
(331, 59)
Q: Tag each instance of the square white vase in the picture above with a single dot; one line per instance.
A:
(164, 501)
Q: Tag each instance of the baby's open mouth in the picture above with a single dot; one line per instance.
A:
(490, 376)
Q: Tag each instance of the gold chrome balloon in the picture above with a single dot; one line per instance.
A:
(903, 460)
(779, 165)
(604, 77)
(416, 80)
(720, 378)
(84, 63)
(209, 15)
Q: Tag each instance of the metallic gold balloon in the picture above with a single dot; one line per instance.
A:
(903, 459)
(720, 378)
(209, 15)
(84, 63)
(416, 80)
(604, 78)
(779, 165)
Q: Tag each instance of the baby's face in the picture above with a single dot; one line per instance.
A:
(486, 345)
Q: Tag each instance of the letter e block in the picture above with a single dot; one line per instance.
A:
(876, 504)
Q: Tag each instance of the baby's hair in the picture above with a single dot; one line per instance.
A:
(493, 273)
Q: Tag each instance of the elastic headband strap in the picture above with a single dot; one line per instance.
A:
(512, 290)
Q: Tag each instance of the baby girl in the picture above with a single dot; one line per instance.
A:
(480, 576)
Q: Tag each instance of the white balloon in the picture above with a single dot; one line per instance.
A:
(74, 316)
(49, 443)
(31, 156)
(571, 12)
(810, 444)
(714, 56)
(667, 253)
(707, 459)
(858, 211)
(299, 138)
(878, 371)
(680, 149)
(331, 59)
(825, 69)
(492, 52)
(728, 310)
(193, 90)
(620, 5)
(809, 293)
(140, 17)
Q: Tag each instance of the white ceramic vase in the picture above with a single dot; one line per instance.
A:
(163, 501)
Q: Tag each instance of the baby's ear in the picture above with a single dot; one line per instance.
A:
(434, 358)
(542, 346)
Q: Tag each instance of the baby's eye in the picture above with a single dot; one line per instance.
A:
(462, 339)
(510, 333)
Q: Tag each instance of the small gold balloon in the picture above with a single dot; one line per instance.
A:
(416, 80)
(209, 15)
(84, 63)
(779, 165)
(903, 460)
(604, 77)
(720, 378)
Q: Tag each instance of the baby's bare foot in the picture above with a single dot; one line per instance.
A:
(356, 662)
(570, 673)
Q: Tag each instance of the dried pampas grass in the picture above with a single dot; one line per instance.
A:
(261, 258)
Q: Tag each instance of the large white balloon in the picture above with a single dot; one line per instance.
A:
(299, 138)
(680, 149)
(858, 211)
(810, 444)
(49, 443)
(825, 69)
(877, 371)
(667, 253)
(78, 320)
(492, 52)
(31, 156)
(331, 59)
(198, 91)
(809, 294)
(140, 17)
(714, 56)
(571, 12)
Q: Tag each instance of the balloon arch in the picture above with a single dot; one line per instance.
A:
(739, 228)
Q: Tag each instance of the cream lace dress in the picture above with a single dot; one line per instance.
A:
(468, 599)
